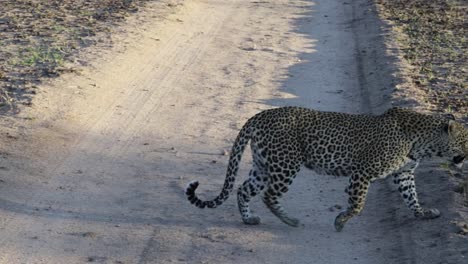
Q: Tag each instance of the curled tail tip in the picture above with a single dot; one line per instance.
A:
(193, 199)
(190, 193)
(191, 187)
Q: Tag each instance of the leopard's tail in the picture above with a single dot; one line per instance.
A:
(234, 159)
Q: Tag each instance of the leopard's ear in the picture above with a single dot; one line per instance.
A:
(453, 129)
(449, 116)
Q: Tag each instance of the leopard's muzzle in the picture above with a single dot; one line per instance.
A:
(458, 161)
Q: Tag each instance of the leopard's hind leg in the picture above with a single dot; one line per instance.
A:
(250, 188)
(279, 185)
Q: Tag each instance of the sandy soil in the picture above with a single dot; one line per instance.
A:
(95, 170)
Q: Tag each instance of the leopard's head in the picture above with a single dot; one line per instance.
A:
(457, 142)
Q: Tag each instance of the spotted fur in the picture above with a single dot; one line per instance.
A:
(363, 147)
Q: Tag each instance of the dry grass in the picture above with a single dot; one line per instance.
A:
(38, 38)
(433, 41)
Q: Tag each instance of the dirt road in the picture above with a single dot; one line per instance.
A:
(94, 171)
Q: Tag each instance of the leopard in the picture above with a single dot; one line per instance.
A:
(363, 147)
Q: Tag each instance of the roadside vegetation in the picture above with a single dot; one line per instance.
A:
(38, 38)
(432, 37)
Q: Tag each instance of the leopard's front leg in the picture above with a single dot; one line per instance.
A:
(407, 189)
(357, 191)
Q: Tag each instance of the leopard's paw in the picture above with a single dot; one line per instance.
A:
(292, 221)
(253, 220)
(429, 214)
(340, 221)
